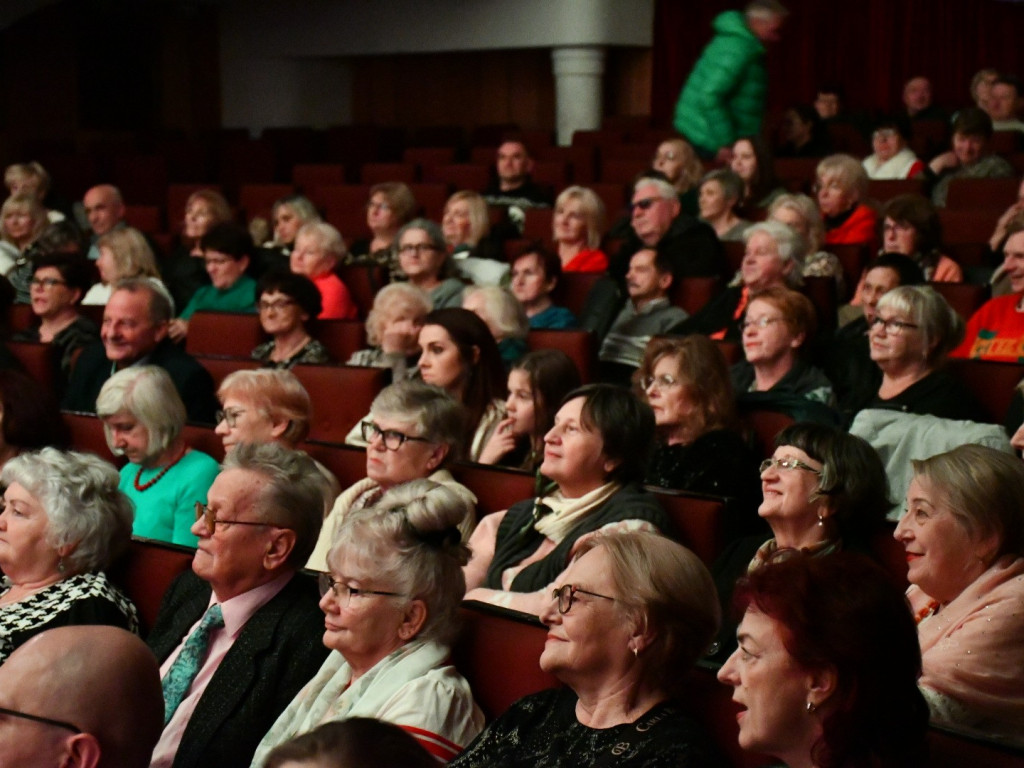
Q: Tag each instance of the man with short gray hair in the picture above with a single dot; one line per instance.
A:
(240, 634)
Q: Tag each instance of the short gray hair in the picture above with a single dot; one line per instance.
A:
(941, 328)
(161, 305)
(808, 210)
(665, 190)
(411, 537)
(326, 237)
(148, 394)
(296, 494)
(791, 245)
(504, 312)
(434, 412)
(84, 506)
(732, 185)
(390, 300)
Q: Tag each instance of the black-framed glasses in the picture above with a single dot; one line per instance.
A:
(40, 719)
(417, 248)
(45, 282)
(229, 415)
(786, 463)
(644, 204)
(894, 327)
(274, 306)
(211, 519)
(392, 438)
(566, 594)
(344, 592)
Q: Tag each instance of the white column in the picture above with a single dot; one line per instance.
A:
(578, 71)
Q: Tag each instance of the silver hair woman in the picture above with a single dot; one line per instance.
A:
(63, 520)
(318, 250)
(393, 330)
(391, 600)
(413, 431)
(504, 315)
(143, 418)
(913, 331)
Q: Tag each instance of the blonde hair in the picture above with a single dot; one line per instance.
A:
(26, 204)
(592, 208)
(278, 394)
(479, 221)
(393, 300)
(132, 255)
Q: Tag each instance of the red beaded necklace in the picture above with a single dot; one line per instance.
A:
(150, 483)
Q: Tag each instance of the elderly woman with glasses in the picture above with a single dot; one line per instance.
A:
(391, 205)
(391, 597)
(413, 431)
(823, 490)
(62, 521)
(626, 621)
(143, 418)
(289, 305)
(913, 331)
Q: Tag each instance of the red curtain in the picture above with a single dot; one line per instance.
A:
(871, 47)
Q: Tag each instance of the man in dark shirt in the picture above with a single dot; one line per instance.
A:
(513, 185)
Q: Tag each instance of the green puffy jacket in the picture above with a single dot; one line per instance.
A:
(723, 99)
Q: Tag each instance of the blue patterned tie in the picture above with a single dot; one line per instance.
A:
(183, 671)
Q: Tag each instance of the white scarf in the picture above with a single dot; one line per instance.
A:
(331, 694)
(566, 513)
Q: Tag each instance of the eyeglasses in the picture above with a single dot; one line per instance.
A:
(416, 248)
(644, 204)
(392, 438)
(566, 594)
(39, 719)
(786, 464)
(230, 416)
(761, 322)
(665, 381)
(344, 593)
(893, 327)
(274, 306)
(208, 515)
(217, 261)
(884, 133)
(383, 207)
(45, 282)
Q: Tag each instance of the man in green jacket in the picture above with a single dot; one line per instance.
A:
(723, 99)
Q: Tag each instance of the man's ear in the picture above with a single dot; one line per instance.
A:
(279, 549)
(80, 751)
(161, 330)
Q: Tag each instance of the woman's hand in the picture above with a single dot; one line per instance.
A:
(500, 444)
(943, 162)
(177, 329)
(400, 337)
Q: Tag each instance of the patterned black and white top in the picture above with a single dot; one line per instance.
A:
(86, 598)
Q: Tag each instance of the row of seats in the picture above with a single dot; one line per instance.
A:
(490, 633)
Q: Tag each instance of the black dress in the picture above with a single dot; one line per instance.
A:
(542, 730)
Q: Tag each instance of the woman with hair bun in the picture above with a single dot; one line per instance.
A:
(391, 599)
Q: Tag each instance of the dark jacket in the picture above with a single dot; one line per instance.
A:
(277, 652)
(628, 503)
(193, 382)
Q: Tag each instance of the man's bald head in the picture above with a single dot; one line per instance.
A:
(102, 680)
(104, 207)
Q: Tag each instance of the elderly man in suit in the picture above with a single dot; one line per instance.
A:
(83, 696)
(240, 635)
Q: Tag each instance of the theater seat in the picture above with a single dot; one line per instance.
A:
(573, 288)
(342, 338)
(37, 360)
(498, 652)
(341, 396)
(578, 345)
(692, 293)
(495, 488)
(363, 281)
(699, 520)
(234, 334)
(145, 572)
(346, 462)
(219, 367)
(85, 433)
(204, 439)
(992, 383)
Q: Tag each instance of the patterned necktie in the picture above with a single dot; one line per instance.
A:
(183, 671)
